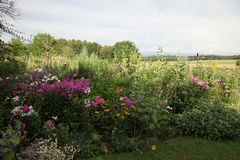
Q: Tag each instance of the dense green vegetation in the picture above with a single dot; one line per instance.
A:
(72, 99)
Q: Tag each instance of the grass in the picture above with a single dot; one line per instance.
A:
(217, 63)
(184, 148)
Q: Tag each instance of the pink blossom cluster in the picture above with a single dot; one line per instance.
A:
(199, 82)
(97, 102)
(66, 87)
(20, 88)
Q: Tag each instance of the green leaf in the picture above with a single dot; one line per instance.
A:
(9, 130)
(15, 140)
(4, 142)
(9, 155)
(18, 125)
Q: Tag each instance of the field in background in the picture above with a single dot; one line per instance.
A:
(217, 63)
(73, 62)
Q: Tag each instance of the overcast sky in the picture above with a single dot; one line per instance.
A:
(178, 26)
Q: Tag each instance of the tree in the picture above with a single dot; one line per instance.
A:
(18, 47)
(59, 46)
(93, 48)
(42, 45)
(106, 52)
(124, 50)
(7, 10)
(77, 46)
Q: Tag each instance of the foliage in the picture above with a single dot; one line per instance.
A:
(238, 63)
(7, 11)
(211, 120)
(9, 141)
(106, 52)
(42, 44)
(124, 50)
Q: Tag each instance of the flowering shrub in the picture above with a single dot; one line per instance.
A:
(48, 149)
(199, 82)
(22, 111)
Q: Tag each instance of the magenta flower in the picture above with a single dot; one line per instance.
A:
(25, 108)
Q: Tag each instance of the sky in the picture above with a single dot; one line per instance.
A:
(180, 27)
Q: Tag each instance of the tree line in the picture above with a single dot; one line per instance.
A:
(44, 44)
(192, 58)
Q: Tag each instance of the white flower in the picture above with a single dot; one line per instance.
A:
(1, 79)
(38, 70)
(121, 98)
(168, 107)
(87, 90)
(7, 78)
(15, 99)
(16, 110)
(87, 103)
(54, 117)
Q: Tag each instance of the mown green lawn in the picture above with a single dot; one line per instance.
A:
(184, 148)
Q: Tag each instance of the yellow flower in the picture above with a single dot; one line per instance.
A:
(127, 113)
(154, 147)
(106, 110)
(96, 112)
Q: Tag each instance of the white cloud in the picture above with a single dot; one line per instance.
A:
(186, 26)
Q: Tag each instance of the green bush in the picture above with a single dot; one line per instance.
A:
(238, 63)
(211, 120)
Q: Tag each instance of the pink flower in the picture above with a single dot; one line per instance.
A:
(205, 86)
(200, 83)
(98, 101)
(194, 79)
(50, 122)
(13, 117)
(23, 125)
(25, 108)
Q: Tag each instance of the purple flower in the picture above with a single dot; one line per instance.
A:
(128, 102)
(25, 108)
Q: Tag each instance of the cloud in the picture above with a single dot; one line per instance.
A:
(179, 27)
